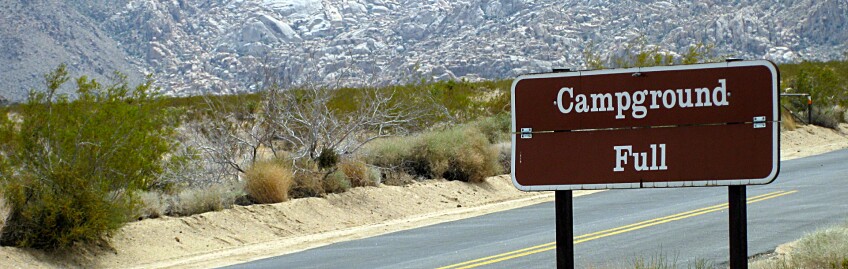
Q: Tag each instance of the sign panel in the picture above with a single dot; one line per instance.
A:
(672, 126)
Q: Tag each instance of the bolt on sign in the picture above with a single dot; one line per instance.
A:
(672, 126)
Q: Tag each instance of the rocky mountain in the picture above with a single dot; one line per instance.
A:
(36, 36)
(231, 46)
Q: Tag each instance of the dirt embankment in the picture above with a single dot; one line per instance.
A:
(258, 231)
(811, 140)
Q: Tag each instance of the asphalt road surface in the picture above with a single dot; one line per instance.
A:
(612, 229)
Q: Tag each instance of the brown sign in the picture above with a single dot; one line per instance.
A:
(675, 126)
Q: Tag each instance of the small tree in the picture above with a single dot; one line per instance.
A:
(231, 133)
(312, 120)
(70, 167)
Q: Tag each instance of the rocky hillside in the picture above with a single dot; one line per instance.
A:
(229, 46)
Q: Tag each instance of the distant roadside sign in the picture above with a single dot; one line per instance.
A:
(672, 126)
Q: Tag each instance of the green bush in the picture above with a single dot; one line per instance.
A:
(71, 167)
(461, 153)
(336, 182)
(328, 158)
(495, 128)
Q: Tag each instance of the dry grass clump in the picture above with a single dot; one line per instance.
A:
(394, 177)
(358, 173)
(787, 120)
(658, 260)
(347, 174)
(153, 205)
(827, 248)
(268, 182)
(307, 184)
(655, 262)
(200, 200)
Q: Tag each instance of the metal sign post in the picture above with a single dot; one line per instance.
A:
(738, 227)
(564, 229)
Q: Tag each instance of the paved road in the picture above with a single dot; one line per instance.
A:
(611, 229)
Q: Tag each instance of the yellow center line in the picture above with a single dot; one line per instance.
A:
(608, 232)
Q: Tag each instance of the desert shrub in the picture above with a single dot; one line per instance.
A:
(826, 82)
(498, 99)
(826, 248)
(73, 166)
(495, 128)
(307, 184)
(660, 261)
(395, 161)
(336, 182)
(504, 156)
(827, 117)
(152, 205)
(663, 261)
(393, 176)
(461, 153)
(458, 98)
(323, 123)
(201, 200)
(268, 182)
(375, 175)
(392, 152)
(328, 158)
(358, 173)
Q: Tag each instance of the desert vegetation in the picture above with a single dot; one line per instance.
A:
(661, 261)
(73, 169)
(825, 249)
(826, 82)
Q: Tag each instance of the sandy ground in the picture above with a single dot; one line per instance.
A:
(781, 253)
(811, 140)
(253, 232)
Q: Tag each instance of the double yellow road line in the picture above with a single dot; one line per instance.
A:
(609, 232)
